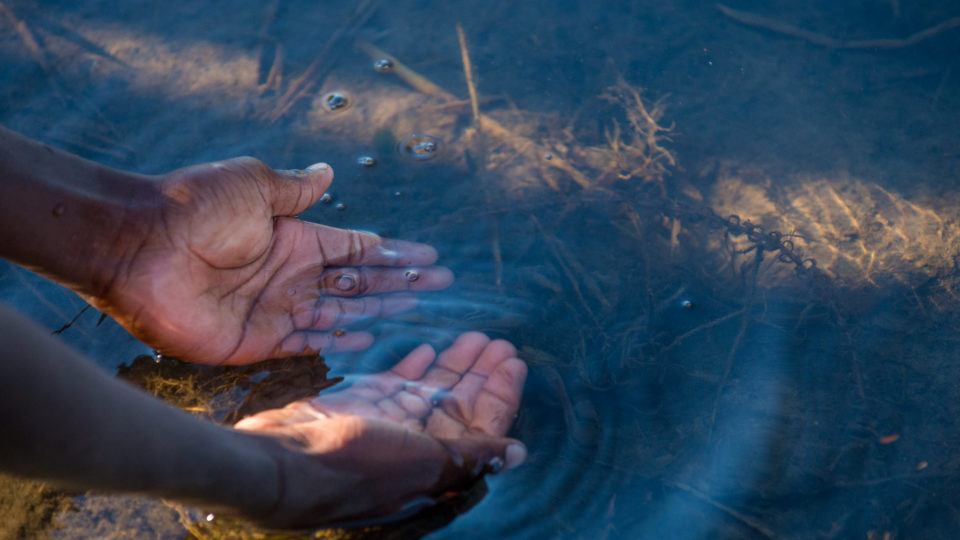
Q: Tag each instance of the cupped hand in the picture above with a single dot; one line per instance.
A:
(227, 274)
(391, 440)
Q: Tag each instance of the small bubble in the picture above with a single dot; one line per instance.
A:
(210, 517)
(157, 357)
(346, 282)
(548, 156)
(339, 332)
(334, 101)
(411, 275)
(366, 161)
(383, 65)
(326, 198)
(340, 206)
(59, 209)
(397, 193)
(687, 304)
(420, 147)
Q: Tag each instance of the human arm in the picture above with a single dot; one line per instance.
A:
(206, 263)
(331, 460)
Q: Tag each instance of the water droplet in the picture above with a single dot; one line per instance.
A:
(335, 101)
(411, 275)
(210, 517)
(346, 282)
(383, 65)
(397, 193)
(157, 357)
(59, 209)
(340, 206)
(326, 198)
(339, 332)
(420, 147)
(687, 304)
(366, 161)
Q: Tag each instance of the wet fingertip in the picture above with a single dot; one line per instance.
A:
(516, 454)
(320, 167)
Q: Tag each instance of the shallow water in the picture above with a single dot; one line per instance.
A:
(679, 385)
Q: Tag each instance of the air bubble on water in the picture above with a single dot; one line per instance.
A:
(335, 101)
(419, 146)
(411, 275)
(346, 282)
(687, 304)
(366, 161)
(210, 517)
(157, 357)
(340, 206)
(326, 198)
(383, 65)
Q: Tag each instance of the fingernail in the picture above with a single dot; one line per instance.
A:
(516, 454)
(318, 167)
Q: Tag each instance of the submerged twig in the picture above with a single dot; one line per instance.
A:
(773, 25)
(492, 128)
(744, 519)
(313, 76)
(468, 75)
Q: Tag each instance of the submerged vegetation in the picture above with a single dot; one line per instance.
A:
(762, 352)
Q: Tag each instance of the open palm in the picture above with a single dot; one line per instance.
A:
(428, 425)
(228, 275)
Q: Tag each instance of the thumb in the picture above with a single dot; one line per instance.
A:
(473, 456)
(293, 191)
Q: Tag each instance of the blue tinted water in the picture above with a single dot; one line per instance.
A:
(671, 393)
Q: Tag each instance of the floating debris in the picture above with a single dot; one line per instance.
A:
(420, 147)
(335, 101)
(383, 65)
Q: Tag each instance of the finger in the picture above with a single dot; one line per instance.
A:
(454, 361)
(473, 456)
(335, 312)
(463, 396)
(290, 192)
(413, 366)
(498, 401)
(344, 247)
(356, 281)
(306, 342)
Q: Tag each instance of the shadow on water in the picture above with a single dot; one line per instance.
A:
(692, 374)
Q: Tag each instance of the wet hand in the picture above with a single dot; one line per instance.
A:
(228, 275)
(389, 441)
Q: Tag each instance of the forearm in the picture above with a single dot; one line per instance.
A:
(67, 422)
(68, 218)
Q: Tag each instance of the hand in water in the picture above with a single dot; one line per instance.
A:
(429, 425)
(228, 275)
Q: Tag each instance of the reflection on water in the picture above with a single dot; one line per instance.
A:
(738, 303)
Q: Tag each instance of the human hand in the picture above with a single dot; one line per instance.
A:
(390, 440)
(226, 274)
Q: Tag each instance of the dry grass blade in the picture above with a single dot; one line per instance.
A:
(495, 130)
(773, 25)
(313, 76)
(468, 75)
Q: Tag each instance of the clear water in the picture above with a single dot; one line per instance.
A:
(671, 393)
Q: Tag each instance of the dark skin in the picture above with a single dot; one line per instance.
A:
(210, 264)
